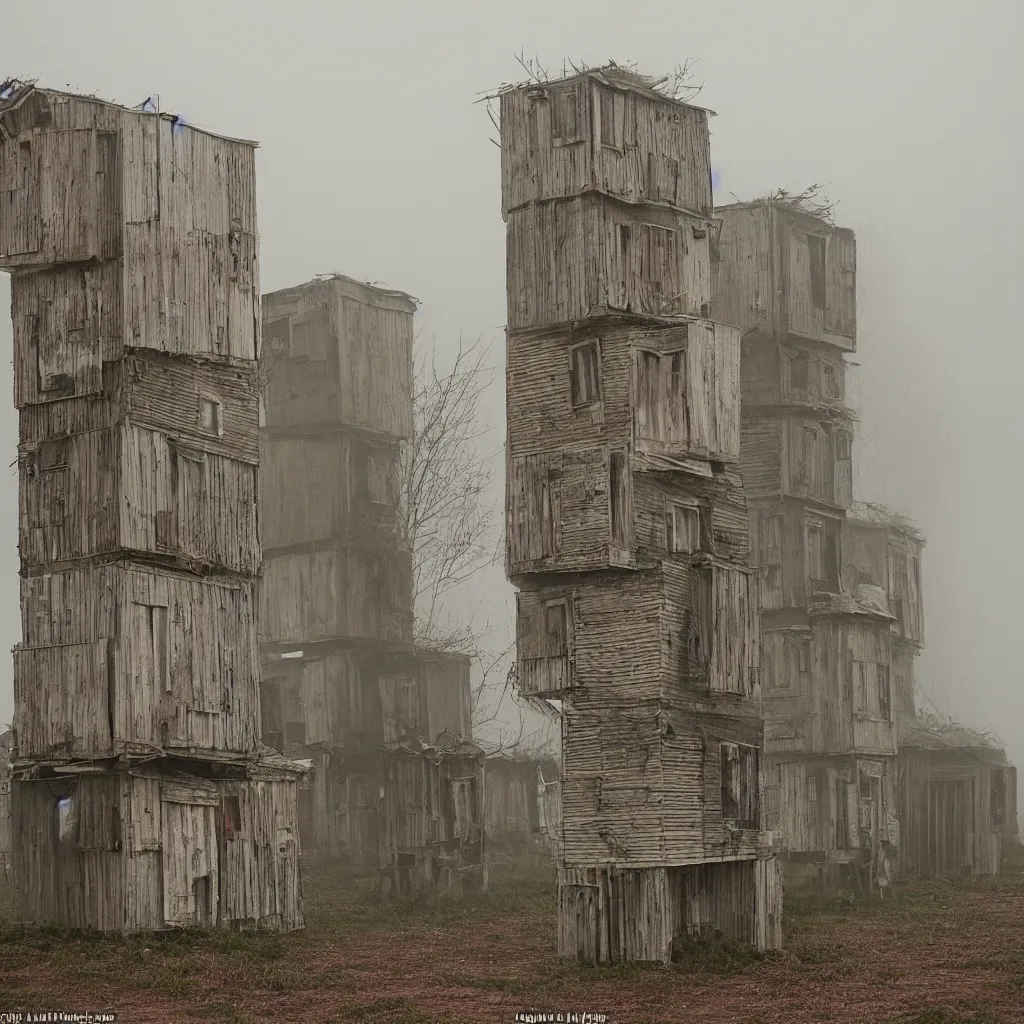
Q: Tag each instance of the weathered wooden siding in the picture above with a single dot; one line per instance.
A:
(127, 853)
(643, 787)
(160, 661)
(745, 270)
(610, 914)
(135, 490)
(350, 703)
(327, 595)
(886, 556)
(685, 407)
(851, 687)
(777, 374)
(581, 257)
(832, 807)
(69, 868)
(260, 861)
(780, 540)
(764, 278)
(432, 821)
(356, 483)
(510, 797)
(176, 205)
(339, 352)
(595, 132)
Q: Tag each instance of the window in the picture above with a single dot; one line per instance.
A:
(565, 115)
(684, 538)
(842, 818)
(613, 105)
(843, 445)
(661, 412)
(872, 697)
(65, 818)
(997, 797)
(533, 127)
(812, 789)
(814, 544)
(808, 456)
(676, 366)
(829, 381)
(277, 334)
(740, 785)
(771, 539)
(672, 190)
(585, 373)
(658, 261)
(884, 694)
(799, 372)
(556, 629)
(816, 257)
(232, 817)
(618, 492)
(309, 340)
(652, 189)
(804, 658)
(703, 620)
(210, 419)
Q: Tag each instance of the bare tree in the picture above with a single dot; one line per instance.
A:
(451, 522)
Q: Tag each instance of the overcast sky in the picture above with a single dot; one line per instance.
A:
(375, 162)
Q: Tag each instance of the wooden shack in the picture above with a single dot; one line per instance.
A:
(626, 519)
(521, 796)
(131, 240)
(787, 273)
(148, 851)
(958, 800)
(396, 781)
(338, 354)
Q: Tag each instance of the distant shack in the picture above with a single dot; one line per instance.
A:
(522, 796)
(958, 800)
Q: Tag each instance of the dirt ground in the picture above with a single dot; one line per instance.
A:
(931, 953)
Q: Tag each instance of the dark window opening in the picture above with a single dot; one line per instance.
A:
(829, 381)
(799, 371)
(585, 374)
(617, 496)
(740, 797)
(565, 119)
(843, 445)
(556, 628)
(816, 255)
(815, 552)
(842, 819)
(997, 797)
(232, 817)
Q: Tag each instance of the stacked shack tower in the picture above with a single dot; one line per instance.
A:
(837, 630)
(396, 780)
(139, 799)
(626, 519)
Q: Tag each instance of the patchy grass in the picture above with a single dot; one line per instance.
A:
(929, 953)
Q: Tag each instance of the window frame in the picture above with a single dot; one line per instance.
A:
(576, 398)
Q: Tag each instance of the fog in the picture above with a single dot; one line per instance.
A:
(376, 163)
